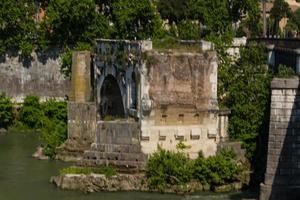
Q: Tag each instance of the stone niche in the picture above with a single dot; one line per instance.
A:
(144, 98)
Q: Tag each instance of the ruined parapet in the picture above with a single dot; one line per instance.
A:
(179, 101)
(282, 176)
(145, 98)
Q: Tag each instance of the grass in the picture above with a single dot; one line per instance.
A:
(171, 43)
(106, 170)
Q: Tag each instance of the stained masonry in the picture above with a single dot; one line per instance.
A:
(141, 99)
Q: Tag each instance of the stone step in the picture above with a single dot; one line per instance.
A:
(117, 148)
(96, 155)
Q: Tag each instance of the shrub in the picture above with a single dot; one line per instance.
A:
(222, 169)
(216, 170)
(54, 133)
(168, 168)
(54, 130)
(31, 114)
(55, 110)
(6, 111)
(187, 30)
(285, 72)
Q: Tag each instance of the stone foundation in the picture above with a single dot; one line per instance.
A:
(129, 182)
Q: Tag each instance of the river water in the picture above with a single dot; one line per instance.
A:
(23, 178)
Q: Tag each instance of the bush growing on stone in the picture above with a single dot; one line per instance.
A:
(54, 133)
(168, 168)
(285, 72)
(219, 169)
(6, 111)
(54, 129)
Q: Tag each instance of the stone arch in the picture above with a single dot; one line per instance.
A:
(133, 91)
(111, 103)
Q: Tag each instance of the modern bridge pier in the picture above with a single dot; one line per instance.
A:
(282, 177)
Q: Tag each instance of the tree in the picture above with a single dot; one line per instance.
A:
(135, 19)
(280, 10)
(245, 90)
(173, 10)
(68, 22)
(293, 24)
(17, 26)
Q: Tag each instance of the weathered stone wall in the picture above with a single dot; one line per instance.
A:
(39, 75)
(282, 177)
(179, 100)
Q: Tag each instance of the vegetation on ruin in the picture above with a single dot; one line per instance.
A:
(108, 171)
(285, 72)
(166, 168)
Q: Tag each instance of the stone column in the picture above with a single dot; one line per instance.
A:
(81, 88)
(282, 177)
(223, 124)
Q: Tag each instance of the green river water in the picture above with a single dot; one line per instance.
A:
(23, 178)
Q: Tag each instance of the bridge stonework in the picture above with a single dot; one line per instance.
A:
(282, 177)
(141, 99)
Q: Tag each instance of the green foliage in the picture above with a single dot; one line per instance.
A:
(66, 63)
(106, 170)
(244, 87)
(279, 10)
(17, 26)
(217, 170)
(136, 19)
(173, 10)
(68, 22)
(168, 168)
(54, 133)
(285, 72)
(54, 128)
(50, 118)
(293, 25)
(188, 30)
(31, 114)
(6, 111)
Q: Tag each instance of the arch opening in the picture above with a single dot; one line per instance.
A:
(133, 95)
(111, 104)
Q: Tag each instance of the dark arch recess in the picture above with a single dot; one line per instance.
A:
(111, 104)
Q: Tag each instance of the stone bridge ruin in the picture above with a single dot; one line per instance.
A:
(127, 99)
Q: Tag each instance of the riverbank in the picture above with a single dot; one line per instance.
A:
(89, 183)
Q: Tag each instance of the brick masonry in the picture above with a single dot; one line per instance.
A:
(282, 177)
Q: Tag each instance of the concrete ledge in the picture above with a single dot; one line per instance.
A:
(285, 83)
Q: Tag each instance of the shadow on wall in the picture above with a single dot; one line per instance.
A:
(27, 61)
(282, 178)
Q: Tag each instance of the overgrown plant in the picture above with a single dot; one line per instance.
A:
(167, 168)
(6, 111)
(285, 72)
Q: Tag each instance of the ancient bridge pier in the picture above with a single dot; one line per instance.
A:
(129, 99)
